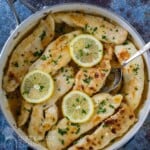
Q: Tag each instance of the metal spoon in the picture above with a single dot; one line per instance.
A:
(116, 73)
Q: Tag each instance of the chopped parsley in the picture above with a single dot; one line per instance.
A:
(43, 57)
(104, 37)
(88, 45)
(37, 53)
(78, 127)
(136, 69)
(81, 52)
(62, 141)
(55, 62)
(63, 131)
(77, 99)
(41, 88)
(125, 43)
(105, 70)
(42, 36)
(101, 108)
(87, 80)
(83, 111)
(111, 106)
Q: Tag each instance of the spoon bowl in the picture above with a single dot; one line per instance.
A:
(115, 76)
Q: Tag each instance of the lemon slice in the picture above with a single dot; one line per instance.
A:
(77, 107)
(37, 86)
(86, 50)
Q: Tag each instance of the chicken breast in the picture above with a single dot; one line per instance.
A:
(26, 109)
(56, 54)
(133, 74)
(45, 115)
(98, 26)
(91, 80)
(39, 123)
(113, 127)
(63, 82)
(66, 132)
(26, 52)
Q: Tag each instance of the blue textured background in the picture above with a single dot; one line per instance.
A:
(137, 12)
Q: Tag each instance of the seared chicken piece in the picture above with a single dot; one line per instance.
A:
(133, 74)
(56, 54)
(63, 82)
(38, 123)
(27, 52)
(113, 127)
(66, 132)
(98, 26)
(91, 80)
(25, 112)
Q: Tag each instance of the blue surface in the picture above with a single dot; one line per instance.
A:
(137, 12)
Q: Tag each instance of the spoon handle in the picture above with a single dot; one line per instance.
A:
(140, 52)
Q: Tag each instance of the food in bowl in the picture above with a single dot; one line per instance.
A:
(77, 52)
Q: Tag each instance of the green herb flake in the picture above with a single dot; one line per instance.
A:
(104, 37)
(43, 57)
(125, 43)
(78, 130)
(63, 131)
(88, 45)
(77, 99)
(111, 106)
(101, 110)
(81, 52)
(136, 69)
(87, 80)
(41, 88)
(62, 141)
(55, 62)
(37, 53)
(25, 92)
(42, 36)
(83, 111)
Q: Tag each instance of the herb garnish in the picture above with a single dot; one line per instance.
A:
(37, 53)
(136, 69)
(63, 131)
(111, 106)
(87, 80)
(101, 108)
(43, 57)
(42, 36)
(104, 37)
(83, 111)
